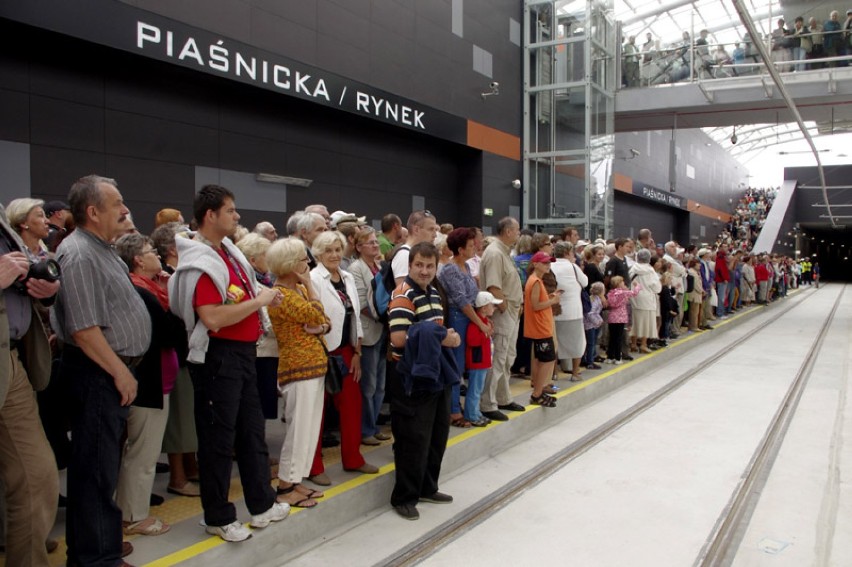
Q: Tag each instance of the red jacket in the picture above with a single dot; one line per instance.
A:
(722, 273)
(761, 274)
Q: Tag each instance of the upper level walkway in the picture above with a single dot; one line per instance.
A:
(821, 95)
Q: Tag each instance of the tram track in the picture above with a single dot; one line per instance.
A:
(723, 542)
(723, 537)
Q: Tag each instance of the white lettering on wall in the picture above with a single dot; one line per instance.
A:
(218, 57)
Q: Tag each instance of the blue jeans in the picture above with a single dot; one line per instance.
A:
(591, 346)
(93, 520)
(475, 383)
(373, 369)
(459, 322)
(721, 294)
(732, 291)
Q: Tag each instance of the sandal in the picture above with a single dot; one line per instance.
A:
(461, 422)
(309, 492)
(301, 500)
(149, 526)
(543, 400)
(191, 489)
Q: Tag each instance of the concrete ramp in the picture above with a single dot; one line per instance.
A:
(769, 234)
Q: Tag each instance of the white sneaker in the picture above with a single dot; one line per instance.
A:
(276, 513)
(617, 362)
(609, 361)
(233, 532)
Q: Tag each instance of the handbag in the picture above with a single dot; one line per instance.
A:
(335, 372)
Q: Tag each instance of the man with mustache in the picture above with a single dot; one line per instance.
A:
(106, 329)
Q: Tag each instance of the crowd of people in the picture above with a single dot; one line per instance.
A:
(797, 47)
(184, 342)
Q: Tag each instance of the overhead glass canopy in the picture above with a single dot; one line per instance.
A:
(763, 148)
(666, 20)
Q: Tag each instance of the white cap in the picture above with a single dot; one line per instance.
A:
(484, 298)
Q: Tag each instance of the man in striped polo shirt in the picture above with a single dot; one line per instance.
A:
(420, 394)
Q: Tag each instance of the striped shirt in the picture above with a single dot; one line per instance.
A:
(96, 292)
(411, 304)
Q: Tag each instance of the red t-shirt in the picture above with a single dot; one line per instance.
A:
(248, 330)
(478, 347)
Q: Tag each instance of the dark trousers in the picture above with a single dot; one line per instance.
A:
(616, 338)
(229, 421)
(523, 351)
(93, 519)
(421, 426)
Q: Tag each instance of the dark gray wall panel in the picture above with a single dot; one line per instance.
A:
(14, 116)
(283, 36)
(393, 16)
(303, 12)
(162, 140)
(57, 122)
(344, 23)
(54, 169)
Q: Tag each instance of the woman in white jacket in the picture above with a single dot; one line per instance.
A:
(645, 303)
(569, 323)
(339, 297)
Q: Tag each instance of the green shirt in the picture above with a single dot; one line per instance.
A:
(385, 245)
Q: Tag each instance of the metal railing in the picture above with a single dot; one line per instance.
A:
(691, 62)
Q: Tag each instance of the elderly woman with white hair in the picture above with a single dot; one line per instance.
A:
(339, 296)
(645, 302)
(27, 217)
(571, 336)
(299, 323)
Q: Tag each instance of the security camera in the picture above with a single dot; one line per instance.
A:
(494, 85)
(734, 138)
(634, 152)
(516, 183)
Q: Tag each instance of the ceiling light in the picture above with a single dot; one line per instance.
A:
(283, 180)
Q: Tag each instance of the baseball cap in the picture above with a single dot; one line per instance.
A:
(484, 298)
(542, 258)
(702, 252)
(54, 206)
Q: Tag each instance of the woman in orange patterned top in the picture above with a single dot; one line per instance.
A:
(299, 323)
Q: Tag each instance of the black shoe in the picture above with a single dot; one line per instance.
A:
(626, 357)
(496, 415)
(407, 511)
(513, 406)
(437, 498)
(162, 468)
(156, 499)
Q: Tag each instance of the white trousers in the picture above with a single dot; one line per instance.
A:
(302, 408)
(145, 429)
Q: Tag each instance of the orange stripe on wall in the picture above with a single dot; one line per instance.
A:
(705, 211)
(492, 140)
(622, 182)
